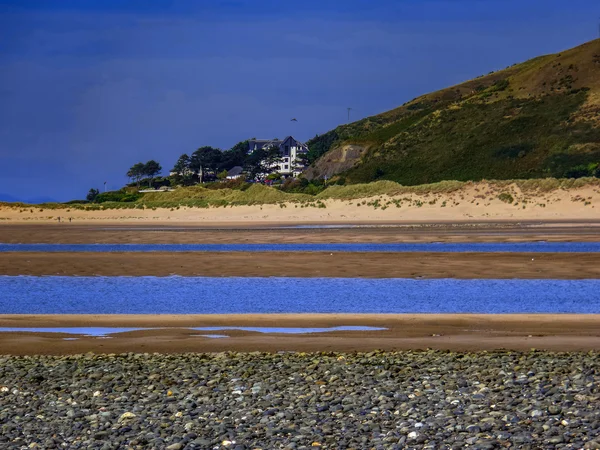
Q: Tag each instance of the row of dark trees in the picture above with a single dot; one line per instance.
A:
(205, 163)
(139, 171)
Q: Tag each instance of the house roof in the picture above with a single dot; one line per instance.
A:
(294, 139)
(235, 171)
(261, 141)
(264, 143)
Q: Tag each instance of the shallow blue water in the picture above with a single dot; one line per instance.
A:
(189, 295)
(291, 330)
(560, 247)
(85, 331)
(105, 331)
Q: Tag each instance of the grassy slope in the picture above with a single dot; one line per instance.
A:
(532, 120)
(199, 197)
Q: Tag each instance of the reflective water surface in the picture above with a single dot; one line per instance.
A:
(290, 330)
(199, 295)
(105, 331)
(84, 331)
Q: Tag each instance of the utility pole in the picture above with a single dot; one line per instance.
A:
(348, 114)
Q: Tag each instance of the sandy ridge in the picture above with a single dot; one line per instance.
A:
(307, 264)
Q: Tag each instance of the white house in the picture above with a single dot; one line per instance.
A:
(291, 153)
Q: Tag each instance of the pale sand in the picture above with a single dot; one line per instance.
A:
(306, 264)
(459, 332)
(477, 202)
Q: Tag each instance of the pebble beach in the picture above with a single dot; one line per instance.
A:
(380, 400)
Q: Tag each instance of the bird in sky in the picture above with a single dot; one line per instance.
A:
(294, 120)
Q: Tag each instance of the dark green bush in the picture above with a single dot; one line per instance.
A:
(117, 196)
(582, 170)
(506, 197)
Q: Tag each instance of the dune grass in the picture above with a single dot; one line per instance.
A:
(200, 197)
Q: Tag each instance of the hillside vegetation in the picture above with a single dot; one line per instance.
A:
(537, 119)
(257, 194)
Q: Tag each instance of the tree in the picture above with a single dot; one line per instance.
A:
(92, 194)
(205, 159)
(183, 173)
(136, 172)
(151, 169)
(300, 162)
(222, 175)
(261, 161)
(235, 156)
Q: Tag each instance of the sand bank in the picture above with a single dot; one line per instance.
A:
(307, 264)
(410, 331)
(477, 201)
(368, 232)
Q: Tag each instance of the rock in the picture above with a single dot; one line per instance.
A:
(176, 446)
(126, 416)
(554, 410)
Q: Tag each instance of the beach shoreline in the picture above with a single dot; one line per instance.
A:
(173, 333)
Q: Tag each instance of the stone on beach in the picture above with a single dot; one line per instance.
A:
(425, 400)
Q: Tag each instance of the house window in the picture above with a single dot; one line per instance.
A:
(285, 167)
(286, 151)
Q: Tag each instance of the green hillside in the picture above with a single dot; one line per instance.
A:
(537, 119)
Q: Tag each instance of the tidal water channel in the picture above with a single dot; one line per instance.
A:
(199, 295)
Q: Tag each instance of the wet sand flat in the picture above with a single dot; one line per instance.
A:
(446, 332)
(459, 332)
(367, 232)
(306, 264)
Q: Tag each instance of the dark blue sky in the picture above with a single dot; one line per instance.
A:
(90, 87)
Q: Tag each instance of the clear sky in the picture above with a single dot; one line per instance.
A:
(90, 87)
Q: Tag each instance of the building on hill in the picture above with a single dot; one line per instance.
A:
(292, 154)
(260, 144)
(235, 172)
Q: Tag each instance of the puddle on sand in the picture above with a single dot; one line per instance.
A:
(303, 330)
(98, 332)
(104, 332)
(211, 336)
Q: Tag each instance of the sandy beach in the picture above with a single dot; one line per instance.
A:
(460, 332)
(478, 201)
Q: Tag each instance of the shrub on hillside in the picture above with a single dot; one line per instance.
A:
(117, 196)
(583, 170)
(506, 197)
(238, 184)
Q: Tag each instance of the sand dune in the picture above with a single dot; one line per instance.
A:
(479, 201)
